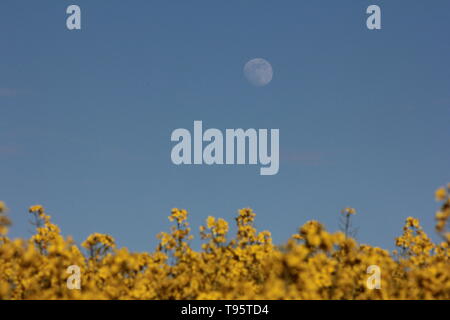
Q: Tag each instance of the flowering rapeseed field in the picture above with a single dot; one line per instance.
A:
(313, 264)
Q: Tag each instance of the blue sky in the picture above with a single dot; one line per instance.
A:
(86, 116)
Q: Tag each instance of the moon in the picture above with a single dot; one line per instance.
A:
(258, 72)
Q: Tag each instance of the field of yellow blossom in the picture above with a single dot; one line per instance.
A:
(313, 264)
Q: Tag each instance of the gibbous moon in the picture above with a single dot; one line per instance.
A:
(258, 72)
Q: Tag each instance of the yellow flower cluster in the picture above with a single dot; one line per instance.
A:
(4, 220)
(348, 211)
(313, 264)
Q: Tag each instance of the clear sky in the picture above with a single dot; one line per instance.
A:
(86, 116)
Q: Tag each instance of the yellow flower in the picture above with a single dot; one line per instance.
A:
(348, 211)
(37, 208)
(440, 194)
(210, 222)
(3, 207)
